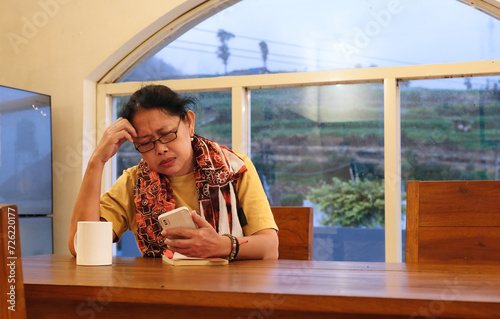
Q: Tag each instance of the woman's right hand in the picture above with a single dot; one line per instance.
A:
(114, 137)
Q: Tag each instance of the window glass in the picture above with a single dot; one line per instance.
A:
(214, 116)
(261, 36)
(310, 144)
(450, 129)
(324, 147)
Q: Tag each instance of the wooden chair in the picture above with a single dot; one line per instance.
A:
(11, 270)
(295, 232)
(453, 222)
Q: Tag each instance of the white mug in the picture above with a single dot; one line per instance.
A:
(94, 243)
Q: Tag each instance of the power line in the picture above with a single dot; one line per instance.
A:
(266, 40)
(258, 53)
(286, 59)
(308, 48)
(244, 56)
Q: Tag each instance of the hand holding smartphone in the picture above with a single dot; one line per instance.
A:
(177, 218)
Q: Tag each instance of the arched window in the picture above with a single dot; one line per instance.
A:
(259, 36)
(338, 103)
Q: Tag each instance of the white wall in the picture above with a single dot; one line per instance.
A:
(62, 48)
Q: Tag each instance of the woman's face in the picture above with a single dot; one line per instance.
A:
(174, 158)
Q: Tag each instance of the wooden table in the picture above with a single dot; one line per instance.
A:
(56, 287)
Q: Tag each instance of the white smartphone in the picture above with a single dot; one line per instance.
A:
(177, 218)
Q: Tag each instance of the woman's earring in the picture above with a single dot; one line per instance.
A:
(192, 138)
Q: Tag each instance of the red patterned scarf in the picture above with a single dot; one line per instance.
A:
(216, 170)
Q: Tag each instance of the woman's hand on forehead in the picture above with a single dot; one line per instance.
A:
(114, 136)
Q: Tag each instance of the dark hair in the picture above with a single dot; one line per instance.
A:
(156, 97)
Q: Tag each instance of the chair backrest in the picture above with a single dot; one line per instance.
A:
(453, 222)
(295, 232)
(13, 302)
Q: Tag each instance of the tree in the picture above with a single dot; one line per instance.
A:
(468, 84)
(264, 51)
(223, 50)
(350, 204)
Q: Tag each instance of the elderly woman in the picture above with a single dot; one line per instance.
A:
(178, 168)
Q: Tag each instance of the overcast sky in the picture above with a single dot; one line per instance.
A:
(331, 34)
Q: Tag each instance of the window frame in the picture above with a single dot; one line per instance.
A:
(241, 86)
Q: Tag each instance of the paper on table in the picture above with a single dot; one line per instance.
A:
(178, 259)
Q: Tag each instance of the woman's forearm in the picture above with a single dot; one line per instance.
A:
(261, 245)
(87, 202)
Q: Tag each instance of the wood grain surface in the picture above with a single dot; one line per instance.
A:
(453, 222)
(56, 287)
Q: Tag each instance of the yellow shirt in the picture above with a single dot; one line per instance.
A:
(117, 205)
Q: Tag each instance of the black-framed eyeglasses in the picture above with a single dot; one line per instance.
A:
(164, 139)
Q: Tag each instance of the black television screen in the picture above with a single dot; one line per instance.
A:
(25, 151)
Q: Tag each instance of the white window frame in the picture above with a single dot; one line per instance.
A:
(241, 86)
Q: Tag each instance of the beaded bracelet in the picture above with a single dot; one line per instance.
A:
(235, 247)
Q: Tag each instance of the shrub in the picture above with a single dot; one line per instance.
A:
(350, 204)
